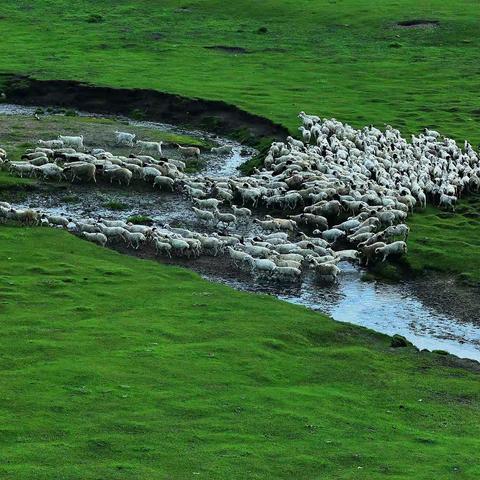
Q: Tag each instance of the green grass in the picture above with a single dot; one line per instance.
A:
(9, 182)
(447, 242)
(118, 368)
(336, 58)
(115, 205)
(140, 220)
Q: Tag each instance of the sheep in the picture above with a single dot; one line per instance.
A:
(225, 218)
(134, 239)
(162, 246)
(70, 141)
(179, 246)
(209, 203)
(121, 175)
(328, 270)
(163, 182)
(51, 143)
(188, 151)
(124, 138)
(82, 171)
(261, 265)
(98, 238)
(204, 215)
(369, 251)
(222, 150)
(395, 248)
(154, 147)
(400, 230)
(347, 255)
(448, 201)
(287, 272)
(239, 257)
(58, 220)
(241, 213)
(21, 169)
(332, 235)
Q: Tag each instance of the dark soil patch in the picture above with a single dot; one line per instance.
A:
(447, 294)
(418, 23)
(215, 116)
(227, 49)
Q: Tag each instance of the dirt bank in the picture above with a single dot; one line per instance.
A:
(214, 116)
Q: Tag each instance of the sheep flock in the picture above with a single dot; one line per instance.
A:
(339, 194)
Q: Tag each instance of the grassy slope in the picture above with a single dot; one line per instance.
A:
(448, 242)
(340, 58)
(113, 367)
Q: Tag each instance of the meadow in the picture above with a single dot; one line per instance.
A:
(119, 368)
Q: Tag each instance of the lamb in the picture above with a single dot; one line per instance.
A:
(69, 141)
(154, 147)
(395, 248)
(189, 151)
(124, 138)
(98, 238)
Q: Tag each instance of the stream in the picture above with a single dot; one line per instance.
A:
(390, 308)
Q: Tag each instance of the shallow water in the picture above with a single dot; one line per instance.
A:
(387, 308)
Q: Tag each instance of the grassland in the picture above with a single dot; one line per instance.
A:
(336, 58)
(447, 242)
(118, 368)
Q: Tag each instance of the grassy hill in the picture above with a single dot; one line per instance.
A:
(117, 368)
(339, 58)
